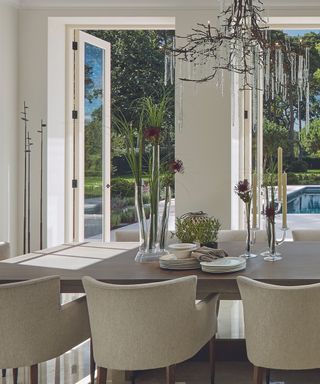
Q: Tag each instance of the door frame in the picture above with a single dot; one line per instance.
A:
(81, 38)
(63, 29)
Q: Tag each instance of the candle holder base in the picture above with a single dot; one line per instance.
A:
(274, 257)
(248, 255)
(267, 253)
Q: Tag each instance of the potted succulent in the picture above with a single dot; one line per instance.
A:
(198, 227)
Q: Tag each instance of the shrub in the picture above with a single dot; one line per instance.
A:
(115, 220)
(128, 216)
(293, 179)
(122, 188)
(298, 166)
(303, 178)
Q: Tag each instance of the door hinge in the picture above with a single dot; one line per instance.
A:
(246, 114)
(74, 114)
(74, 183)
(75, 45)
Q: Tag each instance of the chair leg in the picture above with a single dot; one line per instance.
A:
(268, 376)
(4, 373)
(34, 374)
(258, 375)
(15, 375)
(102, 375)
(171, 374)
(212, 359)
(92, 364)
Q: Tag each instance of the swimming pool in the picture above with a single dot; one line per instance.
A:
(305, 200)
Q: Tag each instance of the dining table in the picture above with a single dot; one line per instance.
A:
(114, 262)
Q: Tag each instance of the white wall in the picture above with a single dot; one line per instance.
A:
(8, 124)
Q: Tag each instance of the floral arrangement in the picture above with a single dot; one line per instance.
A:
(171, 169)
(244, 191)
(144, 139)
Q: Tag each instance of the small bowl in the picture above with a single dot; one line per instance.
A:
(182, 250)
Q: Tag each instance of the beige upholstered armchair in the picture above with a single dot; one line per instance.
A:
(127, 235)
(146, 326)
(34, 327)
(4, 250)
(306, 235)
(281, 326)
(225, 235)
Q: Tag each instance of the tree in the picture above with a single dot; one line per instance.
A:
(311, 140)
(290, 112)
(137, 70)
(274, 136)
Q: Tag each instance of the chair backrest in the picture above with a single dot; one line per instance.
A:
(27, 311)
(261, 236)
(141, 326)
(127, 235)
(4, 250)
(281, 324)
(306, 234)
(225, 235)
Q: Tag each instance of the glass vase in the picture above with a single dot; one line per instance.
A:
(272, 254)
(151, 246)
(163, 236)
(249, 241)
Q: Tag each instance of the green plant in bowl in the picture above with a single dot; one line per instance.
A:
(204, 231)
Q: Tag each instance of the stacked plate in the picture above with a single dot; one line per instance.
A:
(224, 265)
(171, 262)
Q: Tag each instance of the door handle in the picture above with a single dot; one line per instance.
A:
(108, 185)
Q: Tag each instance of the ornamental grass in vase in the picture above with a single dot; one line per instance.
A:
(143, 147)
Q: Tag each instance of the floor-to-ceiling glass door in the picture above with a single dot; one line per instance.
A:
(91, 138)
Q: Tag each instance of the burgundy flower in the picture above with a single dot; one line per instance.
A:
(270, 213)
(176, 166)
(243, 190)
(243, 186)
(152, 134)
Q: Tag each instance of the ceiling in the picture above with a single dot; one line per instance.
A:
(181, 4)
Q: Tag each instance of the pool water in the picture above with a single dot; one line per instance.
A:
(306, 200)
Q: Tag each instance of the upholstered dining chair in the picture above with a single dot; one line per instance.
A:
(306, 234)
(127, 235)
(4, 250)
(225, 235)
(34, 327)
(147, 326)
(5, 254)
(281, 326)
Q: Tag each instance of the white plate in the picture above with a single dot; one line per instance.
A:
(179, 267)
(224, 263)
(237, 269)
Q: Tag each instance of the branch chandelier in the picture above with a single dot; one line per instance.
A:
(241, 44)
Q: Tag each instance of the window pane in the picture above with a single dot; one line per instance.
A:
(94, 132)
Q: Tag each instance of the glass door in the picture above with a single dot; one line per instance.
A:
(92, 139)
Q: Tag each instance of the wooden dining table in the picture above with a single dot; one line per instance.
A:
(114, 263)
